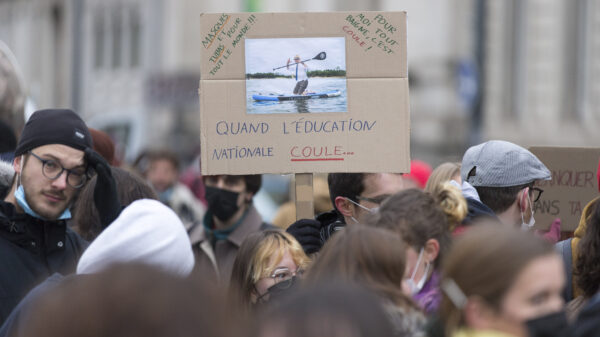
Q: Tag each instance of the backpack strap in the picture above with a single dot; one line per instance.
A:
(564, 249)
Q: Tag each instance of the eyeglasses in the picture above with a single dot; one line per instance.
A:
(536, 193)
(52, 170)
(370, 210)
(376, 200)
(284, 275)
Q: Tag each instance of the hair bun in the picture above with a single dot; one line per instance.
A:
(452, 202)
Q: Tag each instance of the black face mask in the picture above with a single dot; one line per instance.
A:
(552, 325)
(222, 203)
(278, 291)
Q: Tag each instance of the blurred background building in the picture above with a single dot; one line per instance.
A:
(527, 71)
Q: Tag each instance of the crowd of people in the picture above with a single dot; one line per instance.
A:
(93, 247)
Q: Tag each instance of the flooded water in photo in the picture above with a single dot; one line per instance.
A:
(285, 86)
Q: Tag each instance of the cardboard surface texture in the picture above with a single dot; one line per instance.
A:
(370, 132)
(574, 183)
(304, 196)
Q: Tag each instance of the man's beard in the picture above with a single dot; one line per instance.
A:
(41, 194)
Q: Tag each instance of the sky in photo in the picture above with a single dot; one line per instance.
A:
(262, 55)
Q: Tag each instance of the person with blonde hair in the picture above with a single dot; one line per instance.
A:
(265, 259)
(445, 172)
(501, 281)
(423, 222)
(453, 203)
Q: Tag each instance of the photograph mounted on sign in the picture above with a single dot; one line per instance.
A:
(355, 61)
(311, 79)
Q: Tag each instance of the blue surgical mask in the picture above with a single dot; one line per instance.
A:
(20, 196)
(165, 196)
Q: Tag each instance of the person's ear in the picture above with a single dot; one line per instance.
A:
(343, 206)
(248, 197)
(253, 295)
(17, 164)
(432, 250)
(523, 199)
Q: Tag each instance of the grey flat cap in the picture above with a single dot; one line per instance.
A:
(498, 163)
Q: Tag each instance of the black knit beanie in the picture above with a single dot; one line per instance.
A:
(54, 126)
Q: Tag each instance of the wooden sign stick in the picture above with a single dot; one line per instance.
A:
(304, 196)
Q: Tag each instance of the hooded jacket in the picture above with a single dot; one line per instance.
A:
(6, 175)
(476, 209)
(145, 232)
(30, 251)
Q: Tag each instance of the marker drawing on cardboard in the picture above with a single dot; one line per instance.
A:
(304, 92)
(296, 75)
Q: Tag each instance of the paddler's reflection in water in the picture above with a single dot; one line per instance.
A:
(302, 106)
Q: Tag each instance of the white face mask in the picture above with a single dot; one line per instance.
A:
(416, 287)
(527, 226)
(370, 210)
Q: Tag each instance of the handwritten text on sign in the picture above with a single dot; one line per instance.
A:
(573, 184)
(565, 178)
(371, 31)
(376, 113)
(296, 152)
(227, 32)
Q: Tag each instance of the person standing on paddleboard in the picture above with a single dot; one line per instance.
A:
(300, 74)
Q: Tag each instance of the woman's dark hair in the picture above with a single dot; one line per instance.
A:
(587, 268)
(417, 217)
(485, 261)
(132, 300)
(334, 309)
(130, 188)
(372, 257)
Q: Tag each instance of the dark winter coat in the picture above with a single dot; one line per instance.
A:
(30, 251)
(478, 211)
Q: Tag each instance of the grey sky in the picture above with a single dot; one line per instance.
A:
(262, 55)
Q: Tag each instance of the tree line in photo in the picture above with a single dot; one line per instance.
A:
(311, 73)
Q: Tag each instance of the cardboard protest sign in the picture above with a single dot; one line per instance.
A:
(304, 92)
(573, 185)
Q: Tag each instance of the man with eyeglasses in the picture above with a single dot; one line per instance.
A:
(354, 196)
(50, 168)
(503, 175)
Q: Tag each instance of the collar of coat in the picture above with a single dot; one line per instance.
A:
(29, 232)
(251, 223)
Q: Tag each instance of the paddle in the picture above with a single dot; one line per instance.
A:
(320, 56)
